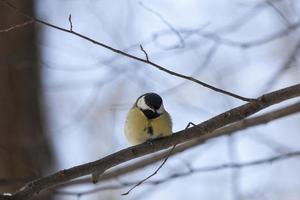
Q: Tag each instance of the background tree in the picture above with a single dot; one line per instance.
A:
(24, 148)
(99, 57)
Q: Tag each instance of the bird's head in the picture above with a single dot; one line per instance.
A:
(151, 104)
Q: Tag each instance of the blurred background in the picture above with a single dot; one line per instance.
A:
(64, 100)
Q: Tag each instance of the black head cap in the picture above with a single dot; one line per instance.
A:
(153, 100)
(150, 104)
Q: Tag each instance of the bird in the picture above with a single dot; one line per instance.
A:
(147, 120)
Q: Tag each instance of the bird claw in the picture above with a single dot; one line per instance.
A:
(189, 125)
(150, 141)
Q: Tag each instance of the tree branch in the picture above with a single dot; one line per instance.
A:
(241, 125)
(70, 22)
(123, 53)
(146, 54)
(287, 65)
(16, 26)
(174, 30)
(204, 131)
(231, 165)
(151, 175)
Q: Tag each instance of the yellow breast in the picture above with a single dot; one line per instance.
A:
(139, 129)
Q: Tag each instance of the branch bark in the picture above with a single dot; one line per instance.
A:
(241, 125)
(230, 129)
(204, 131)
(191, 171)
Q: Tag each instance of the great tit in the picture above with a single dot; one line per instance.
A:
(147, 120)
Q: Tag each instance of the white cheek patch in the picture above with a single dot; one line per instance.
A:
(161, 109)
(141, 104)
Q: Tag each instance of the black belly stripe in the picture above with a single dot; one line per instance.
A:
(149, 130)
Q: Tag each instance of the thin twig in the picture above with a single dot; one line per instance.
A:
(174, 30)
(162, 164)
(146, 54)
(286, 66)
(70, 22)
(128, 55)
(153, 174)
(17, 26)
(279, 12)
(216, 37)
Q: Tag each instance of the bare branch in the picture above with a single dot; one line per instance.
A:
(278, 11)
(70, 22)
(151, 175)
(146, 54)
(204, 131)
(176, 32)
(231, 165)
(129, 55)
(15, 181)
(17, 26)
(162, 164)
(270, 116)
(254, 121)
(216, 37)
(287, 65)
(253, 43)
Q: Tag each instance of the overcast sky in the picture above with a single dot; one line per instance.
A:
(236, 45)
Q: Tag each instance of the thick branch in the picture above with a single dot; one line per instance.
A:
(241, 125)
(202, 131)
(231, 165)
